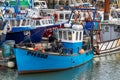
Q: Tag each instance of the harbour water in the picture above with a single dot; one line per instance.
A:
(102, 68)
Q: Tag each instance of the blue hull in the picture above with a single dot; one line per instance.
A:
(36, 35)
(29, 61)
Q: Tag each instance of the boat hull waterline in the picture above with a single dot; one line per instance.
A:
(30, 61)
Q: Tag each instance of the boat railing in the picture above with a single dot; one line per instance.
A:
(110, 45)
(48, 47)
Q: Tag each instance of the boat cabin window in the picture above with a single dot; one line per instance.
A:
(64, 35)
(40, 4)
(12, 22)
(69, 35)
(73, 16)
(67, 16)
(46, 22)
(37, 23)
(43, 3)
(24, 22)
(33, 22)
(80, 36)
(76, 35)
(50, 21)
(61, 16)
(28, 22)
(22, 8)
(36, 4)
(17, 23)
(60, 35)
(43, 22)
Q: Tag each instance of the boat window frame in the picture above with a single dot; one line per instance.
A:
(17, 22)
(37, 23)
(28, 22)
(23, 22)
(60, 16)
(33, 23)
(50, 21)
(12, 22)
(46, 21)
(68, 15)
(80, 35)
(70, 35)
(60, 34)
(43, 22)
(64, 35)
(76, 36)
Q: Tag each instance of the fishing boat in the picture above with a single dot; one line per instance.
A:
(36, 26)
(23, 19)
(108, 34)
(72, 48)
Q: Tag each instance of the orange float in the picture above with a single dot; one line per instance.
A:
(81, 51)
(39, 47)
(56, 16)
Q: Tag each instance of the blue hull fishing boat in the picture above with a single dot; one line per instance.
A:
(21, 16)
(31, 61)
(71, 48)
(36, 32)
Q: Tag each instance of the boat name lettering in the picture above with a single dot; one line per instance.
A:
(37, 54)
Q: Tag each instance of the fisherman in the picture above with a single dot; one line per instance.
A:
(51, 38)
(27, 41)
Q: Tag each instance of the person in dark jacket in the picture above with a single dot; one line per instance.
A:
(27, 41)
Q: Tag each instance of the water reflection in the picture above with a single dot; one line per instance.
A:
(105, 68)
(7, 74)
(79, 73)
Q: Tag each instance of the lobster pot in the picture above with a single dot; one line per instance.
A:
(6, 50)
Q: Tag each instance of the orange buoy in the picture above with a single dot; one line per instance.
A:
(81, 51)
(56, 16)
(35, 49)
(39, 47)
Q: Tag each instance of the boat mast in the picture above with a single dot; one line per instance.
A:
(106, 9)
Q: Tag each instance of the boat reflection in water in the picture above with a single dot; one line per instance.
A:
(79, 73)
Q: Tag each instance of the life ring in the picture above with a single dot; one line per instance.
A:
(81, 51)
(56, 16)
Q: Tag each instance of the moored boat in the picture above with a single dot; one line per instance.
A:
(23, 19)
(73, 48)
(108, 35)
